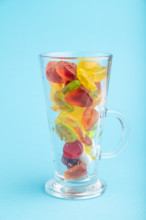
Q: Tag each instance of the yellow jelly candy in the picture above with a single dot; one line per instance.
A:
(87, 65)
(77, 113)
(85, 79)
(57, 86)
(52, 92)
(98, 74)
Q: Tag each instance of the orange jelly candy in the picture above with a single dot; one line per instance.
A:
(76, 172)
(89, 118)
(66, 70)
(79, 97)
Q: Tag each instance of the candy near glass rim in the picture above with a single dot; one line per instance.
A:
(81, 55)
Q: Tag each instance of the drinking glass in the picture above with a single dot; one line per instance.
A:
(75, 88)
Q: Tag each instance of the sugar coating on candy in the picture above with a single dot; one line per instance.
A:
(66, 70)
(85, 79)
(65, 133)
(71, 86)
(85, 158)
(87, 140)
(60, 101)
(79, 97)
(89, 118)
(98, 73)
(52, 75)
(73, 150)
(76, 172)
(69, 162)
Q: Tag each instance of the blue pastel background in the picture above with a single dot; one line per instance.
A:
(30, 27)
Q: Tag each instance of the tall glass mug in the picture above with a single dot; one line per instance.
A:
(76, 86)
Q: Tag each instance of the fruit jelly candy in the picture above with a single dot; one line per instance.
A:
(89, 118)
(85, 158)
(85, 79)
(79, 97)
(57, 86)
(65, 133)
(98, 84)
(97, 101)
(51, 64)
(69, 162)
(52, 92)
(87, 65)
(73, 124)
(73, 85)
(66, 70)
(60, 101)
(76, 172)
(52, 75)
(73, 150)
(87, 140)
(98, 73)
(92, 133)
(77, 114)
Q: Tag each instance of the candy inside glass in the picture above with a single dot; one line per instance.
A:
(76, 86)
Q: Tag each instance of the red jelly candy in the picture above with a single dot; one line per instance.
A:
(73, 150)
(89, 118)
(87, 140)
(98, 84)
(68, 162)
(66, 70)
(76, 172)
(51, 73)
(79, 97)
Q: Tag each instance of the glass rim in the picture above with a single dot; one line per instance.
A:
(80, 55)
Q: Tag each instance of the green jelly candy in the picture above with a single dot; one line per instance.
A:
(73, 85)
(65, 133)
(62, 104)
(92, 133)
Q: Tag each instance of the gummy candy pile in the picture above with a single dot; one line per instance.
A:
(75, 92)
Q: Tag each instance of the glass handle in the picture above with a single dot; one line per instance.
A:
(121, 145)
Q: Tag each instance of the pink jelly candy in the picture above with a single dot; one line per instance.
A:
(52, 75)
(73, 150)
(76, 172)
(66, 70)
(79, 97)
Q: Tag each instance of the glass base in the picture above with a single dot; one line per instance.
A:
(56, 189)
